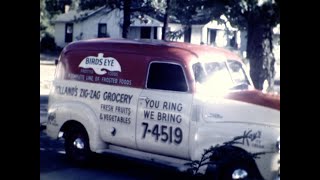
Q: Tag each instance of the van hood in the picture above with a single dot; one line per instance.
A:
(248, 107)
(256, 97)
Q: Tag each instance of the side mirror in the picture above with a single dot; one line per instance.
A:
(56, 62)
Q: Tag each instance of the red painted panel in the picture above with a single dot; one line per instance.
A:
(256, 97)
(133, 68)
(133, 57)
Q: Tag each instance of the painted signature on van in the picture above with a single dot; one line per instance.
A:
(100, 64)
(251, 138)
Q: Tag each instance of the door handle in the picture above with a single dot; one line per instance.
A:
(143, 98)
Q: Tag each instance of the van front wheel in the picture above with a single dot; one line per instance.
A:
(239, 170)
(77, 144)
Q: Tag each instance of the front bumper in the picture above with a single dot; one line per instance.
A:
(269, 166)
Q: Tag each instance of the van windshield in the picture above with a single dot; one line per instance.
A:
(226, 75)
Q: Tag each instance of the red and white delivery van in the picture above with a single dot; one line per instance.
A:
(165, 101)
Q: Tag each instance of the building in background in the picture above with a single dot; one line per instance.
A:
(105, 22)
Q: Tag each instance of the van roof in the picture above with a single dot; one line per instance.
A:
(177, 50)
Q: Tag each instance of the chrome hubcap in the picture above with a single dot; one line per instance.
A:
(239, 174)
(78, 143)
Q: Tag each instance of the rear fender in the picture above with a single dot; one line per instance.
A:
(83, 114)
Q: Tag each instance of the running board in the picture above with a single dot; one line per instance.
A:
(178, 164)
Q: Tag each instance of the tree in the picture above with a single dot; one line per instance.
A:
(187, 12)
(258, 18)
(166, 20)
(128, 7)
(49, 9)
(56, 7)
(92, 4)
(181, 11)
(43, 18)
(126, 18)
(75, 5)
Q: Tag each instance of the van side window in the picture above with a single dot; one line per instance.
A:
(198, 71)
(166, 76)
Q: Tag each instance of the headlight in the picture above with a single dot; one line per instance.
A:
(278, 144)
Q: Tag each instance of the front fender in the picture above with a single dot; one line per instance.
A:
(211, 134)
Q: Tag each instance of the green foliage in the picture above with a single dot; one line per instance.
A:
(216, 155)
(47, 43)
(43, 18)
(92, 4)
(48, 10)
(141, 5)
(174, 35)
(55, 7)
(75, 5)
(185, 10)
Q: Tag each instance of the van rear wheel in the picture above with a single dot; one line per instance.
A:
(77, 144)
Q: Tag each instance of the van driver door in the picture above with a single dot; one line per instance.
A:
(164, 110)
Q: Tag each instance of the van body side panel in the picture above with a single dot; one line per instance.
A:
(117, 115)
(109, 83)
(114, 109)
